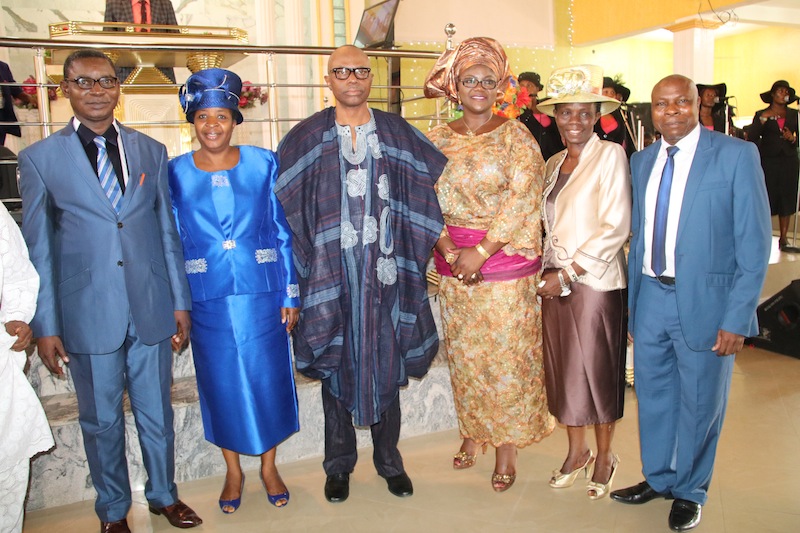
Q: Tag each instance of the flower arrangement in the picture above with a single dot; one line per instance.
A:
(515, 100)
(29, 88)
(251, 95)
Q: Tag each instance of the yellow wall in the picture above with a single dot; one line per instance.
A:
(601, 20)
(749, 63)
(638, 62)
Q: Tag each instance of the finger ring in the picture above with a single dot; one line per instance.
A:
(461, 276)
(474, 276)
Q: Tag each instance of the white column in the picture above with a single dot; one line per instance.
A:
(693, 50)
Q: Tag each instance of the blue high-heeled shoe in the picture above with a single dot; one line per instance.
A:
(230, 506)
(276, 499)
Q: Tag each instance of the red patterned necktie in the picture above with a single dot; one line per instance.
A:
(143, 6)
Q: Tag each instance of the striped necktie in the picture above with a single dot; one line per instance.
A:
(659, 260)
(105, 171)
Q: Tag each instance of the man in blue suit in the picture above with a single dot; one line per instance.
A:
(98, 222)
(698, 258)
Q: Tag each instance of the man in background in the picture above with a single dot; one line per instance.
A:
(7, 96)
(142, 12)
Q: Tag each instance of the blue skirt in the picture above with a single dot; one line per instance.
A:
(244, 372)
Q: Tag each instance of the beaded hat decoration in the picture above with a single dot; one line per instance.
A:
(581, 84)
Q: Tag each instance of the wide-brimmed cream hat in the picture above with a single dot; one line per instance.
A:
(581, 84)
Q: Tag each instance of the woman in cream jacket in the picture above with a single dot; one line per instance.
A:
(587, 215)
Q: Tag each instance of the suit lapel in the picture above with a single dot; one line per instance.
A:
(645, 162)
(697, 171)
(592, 147)
(127, 8)
(71, 144)
(133, 157)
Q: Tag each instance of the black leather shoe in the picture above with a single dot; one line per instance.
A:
(684, 515)
(337, 487)
(400, 485)
(637, 494)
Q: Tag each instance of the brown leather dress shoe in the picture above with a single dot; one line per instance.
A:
(179, 515)
(120, 526)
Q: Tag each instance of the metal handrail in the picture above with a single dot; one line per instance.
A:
(14, 42)
(41, 45)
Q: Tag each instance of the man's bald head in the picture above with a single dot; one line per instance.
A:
(675, 78)
(674, 107)
(347, 53)
(352, 92)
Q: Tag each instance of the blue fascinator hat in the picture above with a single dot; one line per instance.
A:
(212, 87)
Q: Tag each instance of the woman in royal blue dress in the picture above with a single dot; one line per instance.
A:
(245, 297)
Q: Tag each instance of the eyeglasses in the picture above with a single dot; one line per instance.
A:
(106, 82)
(343, 73)
(471, 83)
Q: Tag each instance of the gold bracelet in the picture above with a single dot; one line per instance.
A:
(450, 258)
(482, 251)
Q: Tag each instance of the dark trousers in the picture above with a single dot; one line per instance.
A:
(340, 438)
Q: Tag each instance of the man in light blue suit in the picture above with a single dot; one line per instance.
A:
(98, 222)
(698, 258)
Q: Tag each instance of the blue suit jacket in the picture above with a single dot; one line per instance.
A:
(723, 241)
(98, 268)
(258, 256)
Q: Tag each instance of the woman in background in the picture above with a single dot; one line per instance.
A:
(774, 130)
(587, 217)
(542, 127)
(489, 258)
(245, 297)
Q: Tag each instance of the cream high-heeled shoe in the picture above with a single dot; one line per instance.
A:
(560, 480)
(595, 490)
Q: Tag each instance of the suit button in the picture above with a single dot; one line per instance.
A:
(119, 263)
(119, 224)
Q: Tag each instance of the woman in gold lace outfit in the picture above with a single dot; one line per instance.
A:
(489, 258)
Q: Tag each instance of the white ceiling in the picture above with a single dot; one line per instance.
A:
(755, 16)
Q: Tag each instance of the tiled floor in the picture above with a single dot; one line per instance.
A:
(756, 486)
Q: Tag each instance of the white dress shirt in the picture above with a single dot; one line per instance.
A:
(683, 163)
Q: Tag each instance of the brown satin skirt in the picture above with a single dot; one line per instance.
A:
(584, 338)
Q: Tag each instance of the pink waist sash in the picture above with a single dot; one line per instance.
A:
(499, 267)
